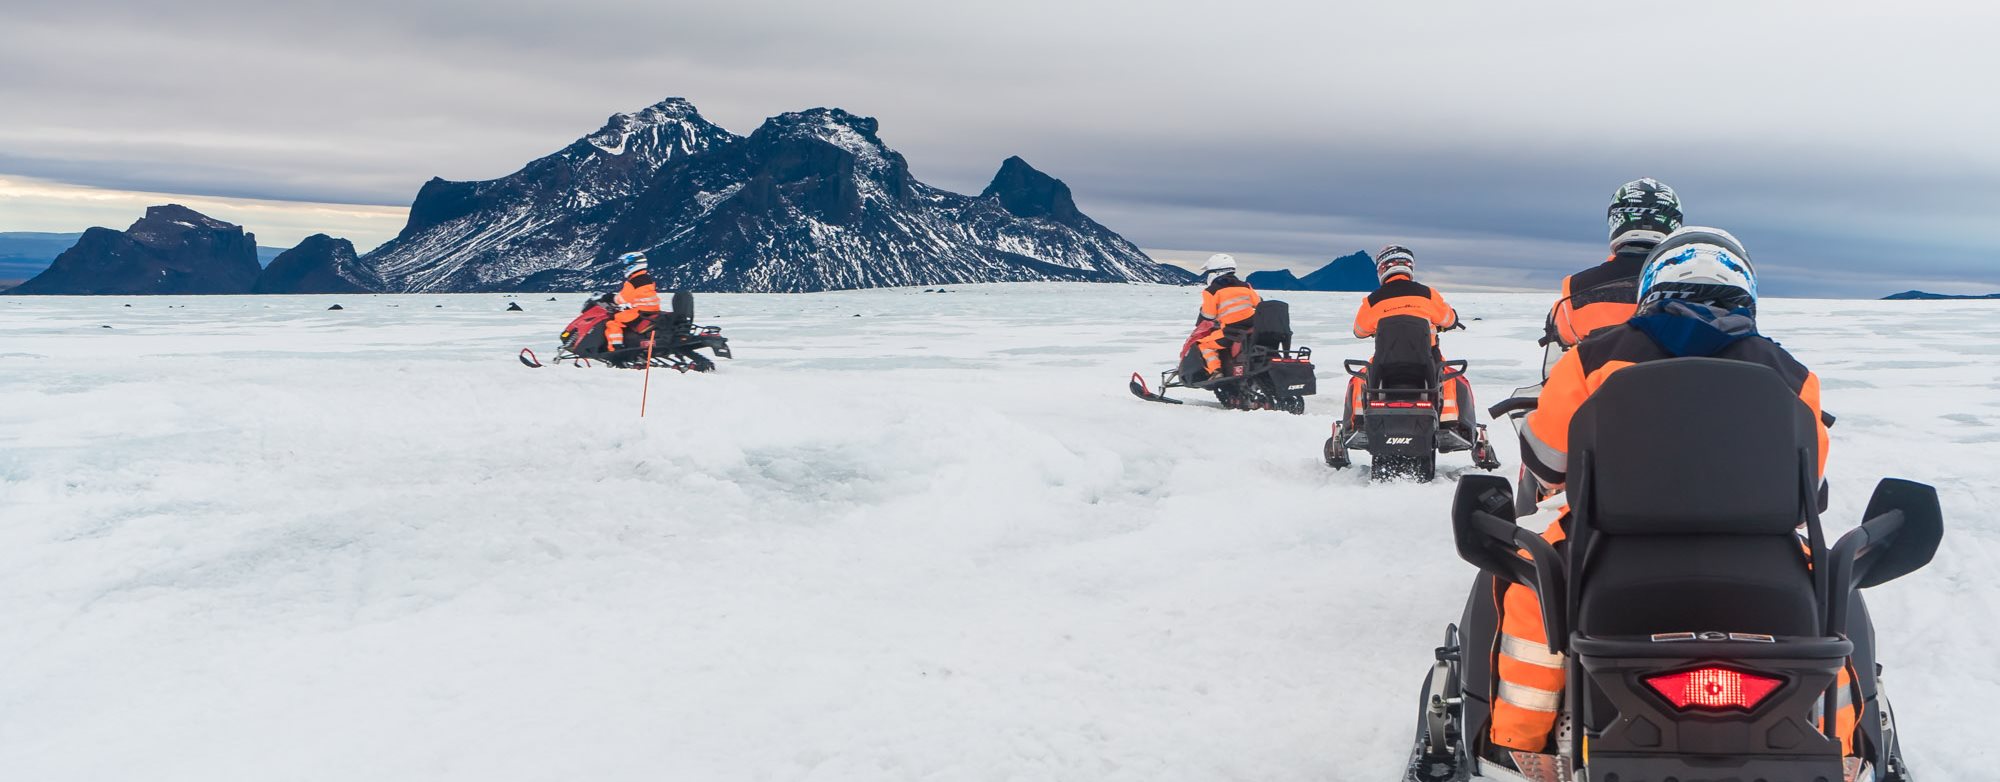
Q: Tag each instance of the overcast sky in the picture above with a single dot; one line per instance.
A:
(1855, 147)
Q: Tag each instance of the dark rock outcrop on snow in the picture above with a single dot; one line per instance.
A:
(319, 264)
(172, 250)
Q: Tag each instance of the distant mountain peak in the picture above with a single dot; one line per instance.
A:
(1027, 192)
(319, 264)
(173, 225)
(1353, 272)
(676, 115)
(175, 213)
(1916, 295)
(850, 133)
(810, 200)
(173, 249)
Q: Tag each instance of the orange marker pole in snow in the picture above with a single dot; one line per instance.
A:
(646, 388)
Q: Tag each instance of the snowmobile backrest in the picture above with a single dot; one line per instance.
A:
(680, 319)
(1272, 324)
(1688, 480)
(1404, 356)
(1693, 446)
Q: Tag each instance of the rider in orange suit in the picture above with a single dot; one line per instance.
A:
(636, 299)
(1697, 297)
(1401, 294)
(1642, 213)
(1226, 301)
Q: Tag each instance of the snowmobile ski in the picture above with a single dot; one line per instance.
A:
(1139, 389)
(528, 358)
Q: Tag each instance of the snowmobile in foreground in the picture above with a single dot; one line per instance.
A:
(1703, 633)
(1260, 372)
(1400, 407)
(675, 339)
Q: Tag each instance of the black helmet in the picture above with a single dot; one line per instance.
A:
(1643, 211)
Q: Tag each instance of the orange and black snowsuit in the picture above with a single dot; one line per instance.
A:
(1596, 298)
(1531, 679)
(1404, 296)
(1225, 302)
(638, 298)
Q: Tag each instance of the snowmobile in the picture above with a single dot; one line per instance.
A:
(1260, 372)
(1401, 407)
(1699, 644)
(674, 336)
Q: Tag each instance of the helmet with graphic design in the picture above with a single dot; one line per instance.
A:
(1642, 212)
(1700, 265)
(1393, 260)
(633, 263)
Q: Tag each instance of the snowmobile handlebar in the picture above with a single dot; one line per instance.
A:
(1519, 404)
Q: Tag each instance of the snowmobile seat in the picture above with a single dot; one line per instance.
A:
(1271, 326)
(1690, 479)
(1404, 356)
(680, 319)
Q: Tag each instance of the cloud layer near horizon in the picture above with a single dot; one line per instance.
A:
(1833, 136)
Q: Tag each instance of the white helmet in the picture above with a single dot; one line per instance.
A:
(1218, 264)
(1699, 264)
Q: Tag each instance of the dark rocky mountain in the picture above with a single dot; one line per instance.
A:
(810, 201)
(1354, 272)
(24, 254)
(173, 249)
(1927, 296)
(319, 264)
(550, 216)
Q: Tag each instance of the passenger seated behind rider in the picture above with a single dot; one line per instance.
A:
(1400, 294)
(1697, 297)
(1226, 301)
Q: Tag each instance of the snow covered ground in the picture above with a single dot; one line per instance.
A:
(248, 538)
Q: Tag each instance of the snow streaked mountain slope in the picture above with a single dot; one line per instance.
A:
(811, 200)
(549, 215)
(246, 538)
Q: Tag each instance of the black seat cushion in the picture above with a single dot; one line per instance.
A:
(1645, 584)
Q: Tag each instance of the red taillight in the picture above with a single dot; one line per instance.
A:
(1714, 688)
(1396, 404)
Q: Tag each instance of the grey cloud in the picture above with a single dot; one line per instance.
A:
(1837, 133)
